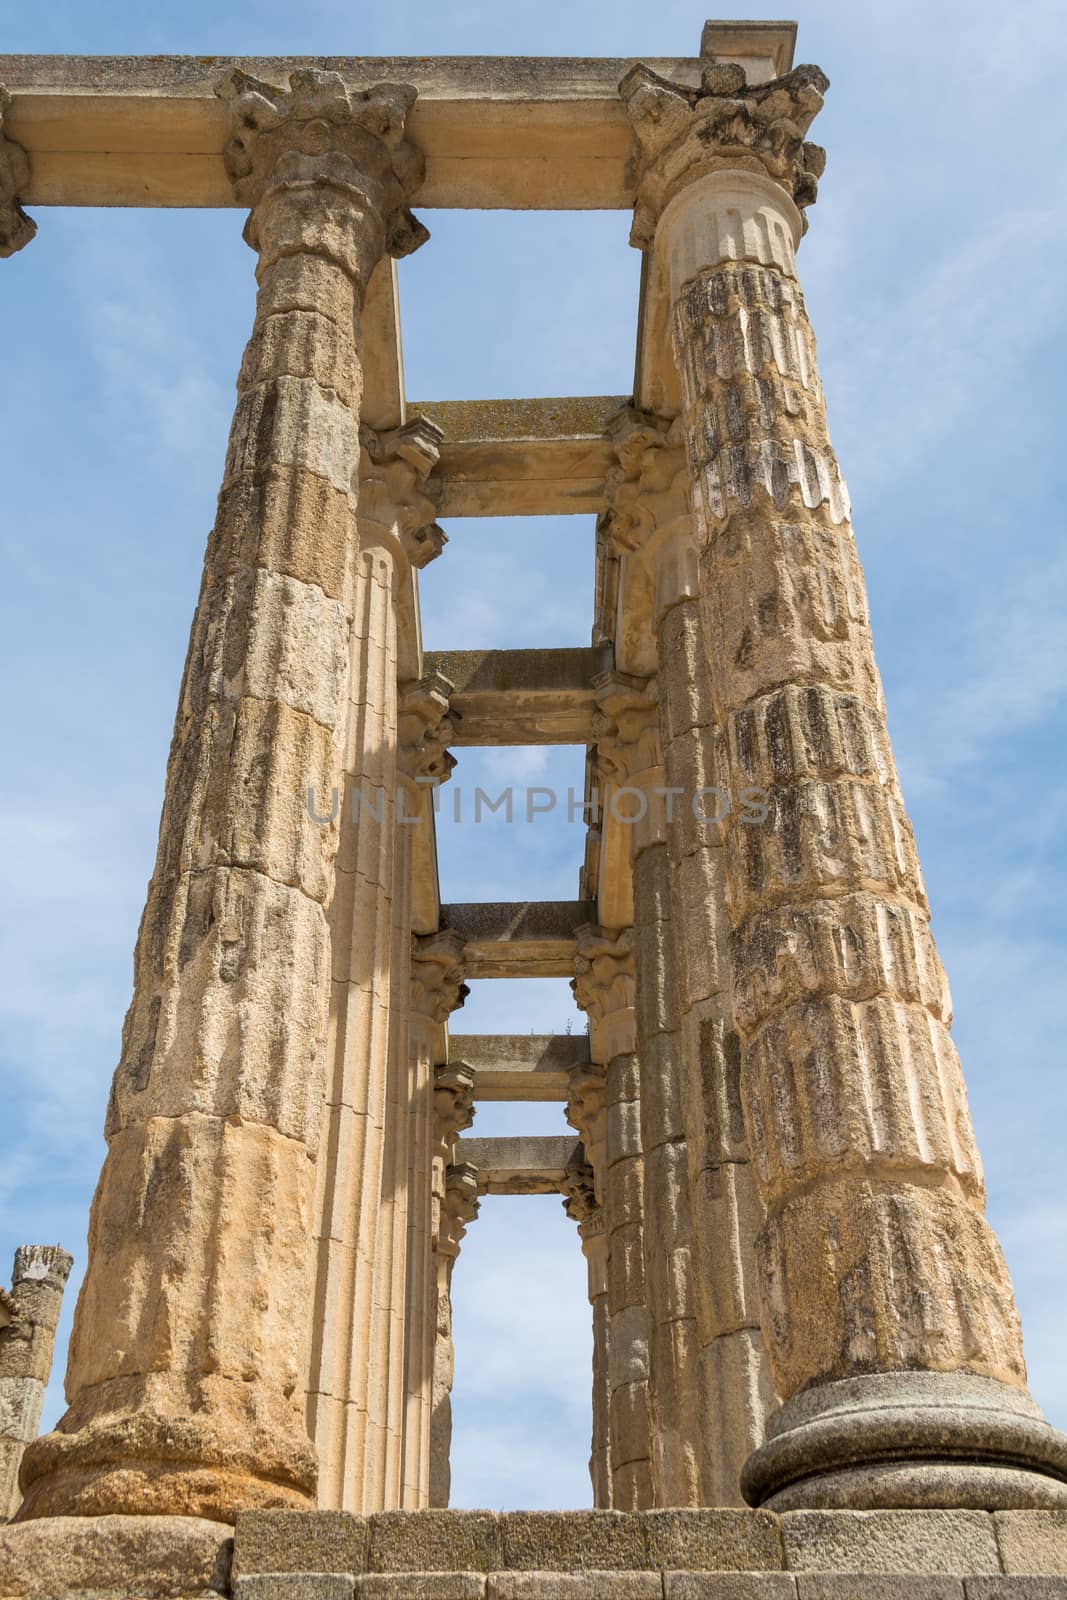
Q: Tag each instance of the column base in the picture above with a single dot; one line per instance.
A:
(909, 1440)
(146, 1556)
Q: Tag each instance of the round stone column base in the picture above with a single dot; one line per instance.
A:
(909, 1440)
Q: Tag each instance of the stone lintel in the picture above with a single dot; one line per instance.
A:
(543, 457)
(519, 939)
(518, 1165)
(516, 697)
(521, 1066)
(518, 133)
(764, 49)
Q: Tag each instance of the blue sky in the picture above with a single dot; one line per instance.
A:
(933, 270)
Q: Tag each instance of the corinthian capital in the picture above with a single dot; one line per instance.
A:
(647, 488)
(453, 1104)
(319, 135)
(579, 1198)
(603, 986)
(437, 987)
(459, 1208)
(16, 228)
(625, 726)
(683, 133)
(394, 471)
(424, 728)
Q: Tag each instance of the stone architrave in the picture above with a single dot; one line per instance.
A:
(604, 989)
(436, 989)
(189, 1357)
(458, 1209)
(887, 1309)
(29, 1315)
(16, 228)
(356, 1388)
(649, 521)
(583, 1207)
(626, 732)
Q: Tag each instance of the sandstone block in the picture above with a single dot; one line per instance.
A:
(729, 1586)
(920, 1542)
(304, 342)
(421, 1586)
(1033, 1541)
(1016, 1588)
(305, 282)
(292, 422)
(579, 1585)
(435, 1541)
(288, 520)
(299, 1541)
(714, 1540)
(137, 1556)
(294, 1586)
(573, 1541)
(883, 1586)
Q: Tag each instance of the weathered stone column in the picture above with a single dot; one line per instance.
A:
(438, 1104)
(604, 989)
(16, 228)
(28, 1319)
(583, 1207)
(650, 523)
(887, 1310)
(189, 1356)
(626, 730)
(459, 1208)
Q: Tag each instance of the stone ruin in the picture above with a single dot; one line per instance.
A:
(808, 1377)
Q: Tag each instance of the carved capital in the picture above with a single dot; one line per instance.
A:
(683, 134)
(437, 987)
(579, 1198)
(603, 986)
(324, 167)
(625, 727)
(424, 727)
(392, 487)
(648, 513)
(459, 1207)
(586, 1111)
(16, 228)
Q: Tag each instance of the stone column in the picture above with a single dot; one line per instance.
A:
(356, 1393)
(438, 1104)
(189, 1355)
(887, 1309)
(604, 989)
(651, 525)
(626, 731)
(583, 1207)
(16, 228)
(29, 1316)
(459, 1207)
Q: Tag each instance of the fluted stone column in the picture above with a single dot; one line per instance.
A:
(604, 989)
(440, 1103)
(16, 228)
(650, 523)
(29, 1316)
(887, 1309)
(459, 1208)
(626, 730)
(355, 1386)
(189, 1357)
(583, 1208)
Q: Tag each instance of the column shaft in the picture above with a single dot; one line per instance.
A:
(28, 1319)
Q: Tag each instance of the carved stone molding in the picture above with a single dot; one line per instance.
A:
(625, 727)
(393, 487)
(16, 228)
(318, 135)
(580, 1201)
(683, 134)
(648, 512)
(437, 987)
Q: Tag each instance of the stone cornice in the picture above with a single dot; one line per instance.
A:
(320, 133)
(16, 228)
(683, 133)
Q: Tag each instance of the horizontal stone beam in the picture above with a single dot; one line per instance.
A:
(518, 1166)
(512, 697)
(522, 457)
(519, 939)
(521, 1066)
(514, 133)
